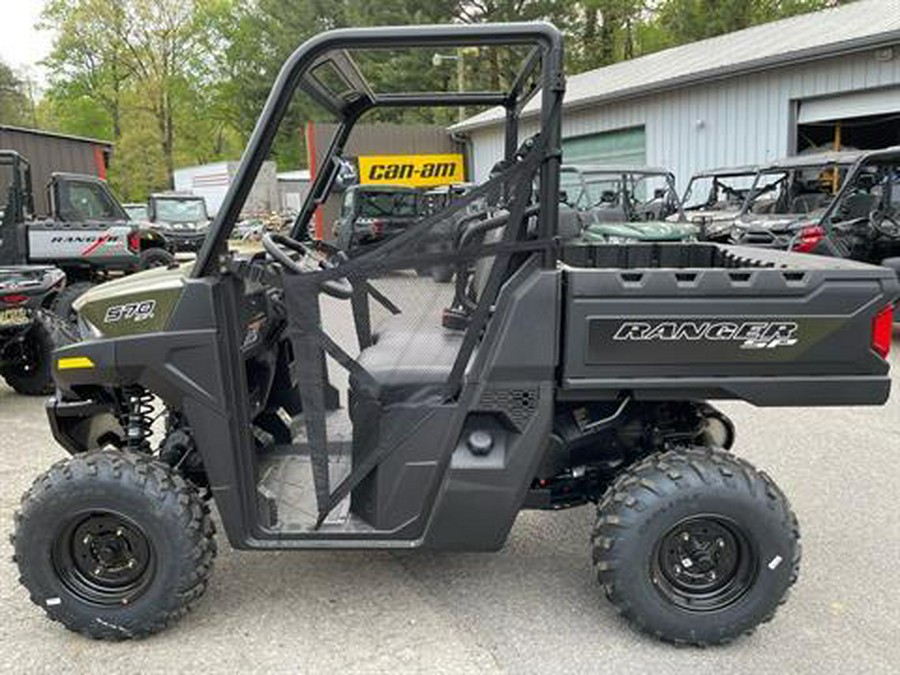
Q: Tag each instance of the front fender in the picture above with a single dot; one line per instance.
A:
(153, 239)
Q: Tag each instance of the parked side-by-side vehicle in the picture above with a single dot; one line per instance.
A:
(326, 402)
(622, 205)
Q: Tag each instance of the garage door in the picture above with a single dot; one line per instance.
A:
(623, 147)
(845, 106)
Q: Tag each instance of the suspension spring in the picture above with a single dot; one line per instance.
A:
(138, 419)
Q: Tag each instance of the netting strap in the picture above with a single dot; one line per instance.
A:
(305, 326)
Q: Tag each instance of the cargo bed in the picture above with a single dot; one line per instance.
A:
(663, 321)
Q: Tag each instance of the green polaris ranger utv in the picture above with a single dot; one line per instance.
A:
(324, 402)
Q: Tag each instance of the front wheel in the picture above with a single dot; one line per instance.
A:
(29, 366)
(113, 545)
(62, 305)
(696, 546)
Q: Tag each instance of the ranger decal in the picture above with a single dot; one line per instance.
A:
(751, 334)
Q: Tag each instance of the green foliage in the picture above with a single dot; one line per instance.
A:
(682, 21)
(180, 82)
(15, 102)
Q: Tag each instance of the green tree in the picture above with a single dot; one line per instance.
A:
(685, 21)
(15, 102)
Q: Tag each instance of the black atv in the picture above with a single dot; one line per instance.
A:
(327, 402)
(29, 331)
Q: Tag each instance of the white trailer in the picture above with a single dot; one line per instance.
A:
(211, 181)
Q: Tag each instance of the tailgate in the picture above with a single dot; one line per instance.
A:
(784, 335)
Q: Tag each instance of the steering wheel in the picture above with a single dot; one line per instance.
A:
(275, 245)
(884, 224)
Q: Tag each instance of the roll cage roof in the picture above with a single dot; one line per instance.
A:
(812, 161)
(325, 69)
(617, 170)
(727, 172)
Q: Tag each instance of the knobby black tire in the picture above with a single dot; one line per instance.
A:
(35, 378)
(62, 305)
(650, 498)
(155, 257)
(167, 507)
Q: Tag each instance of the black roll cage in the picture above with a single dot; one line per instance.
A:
(20, 189)
(329, 50)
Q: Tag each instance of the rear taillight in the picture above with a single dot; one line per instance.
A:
(808, 239)
(883, 331)
(15, 299)
(377, 227)
(134, 242)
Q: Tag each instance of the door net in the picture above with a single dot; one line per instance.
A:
(372, 365)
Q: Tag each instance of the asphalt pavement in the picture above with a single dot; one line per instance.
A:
(531, 608)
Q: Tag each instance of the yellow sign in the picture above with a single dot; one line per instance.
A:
(412, 170)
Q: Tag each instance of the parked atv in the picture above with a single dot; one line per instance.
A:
(181, 218)
(624, 204)
(863, 222)
(371, 214)
(714, 198)
(578, 373)
(29, 332)
(87, 234)
(789, 197)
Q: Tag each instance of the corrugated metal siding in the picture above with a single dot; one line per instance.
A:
(745, 120)
(48, 154)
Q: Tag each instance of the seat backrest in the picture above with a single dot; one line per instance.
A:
(858, 205)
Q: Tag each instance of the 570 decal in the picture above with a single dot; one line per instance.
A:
(751, 334)
(142, 310)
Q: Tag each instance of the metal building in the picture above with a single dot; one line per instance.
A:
(48, 152)
(825, 79)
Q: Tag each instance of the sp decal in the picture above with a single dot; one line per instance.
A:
(141, 310)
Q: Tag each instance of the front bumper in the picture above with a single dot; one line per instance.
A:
(185, 242)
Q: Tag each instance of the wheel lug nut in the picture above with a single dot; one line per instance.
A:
(131, 563)
(120, 532)
(685, 536)
(720, 543)
(87, 540)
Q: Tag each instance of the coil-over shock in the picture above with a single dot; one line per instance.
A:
(137, 418)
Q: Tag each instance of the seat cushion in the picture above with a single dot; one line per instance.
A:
(410, 360)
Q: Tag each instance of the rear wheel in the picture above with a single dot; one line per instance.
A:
(113, 544)
(155, 257)
(696, 546)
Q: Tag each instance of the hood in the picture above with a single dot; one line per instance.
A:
(139, 303)
(642, 231)
(715, 221)
(150, 281)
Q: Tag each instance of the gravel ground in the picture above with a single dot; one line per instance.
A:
(532, 607)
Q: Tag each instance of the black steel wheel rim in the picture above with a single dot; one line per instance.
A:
(104, 558)
(704, 563)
